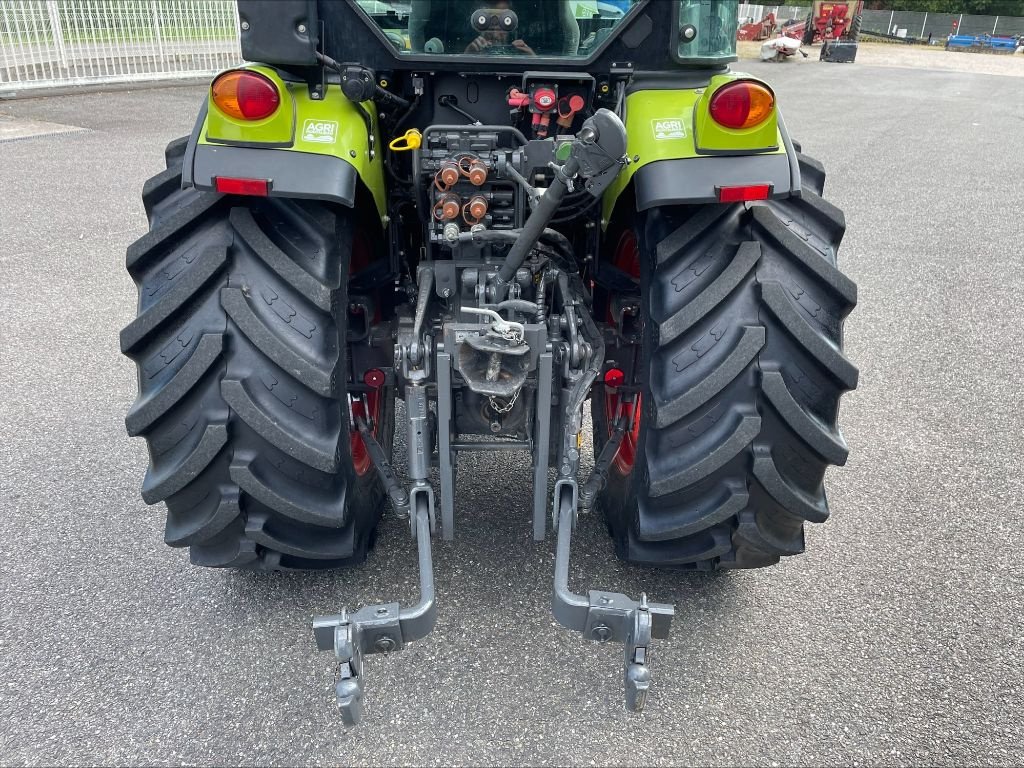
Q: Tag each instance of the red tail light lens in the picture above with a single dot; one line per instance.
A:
(245, 95)
(742, 104)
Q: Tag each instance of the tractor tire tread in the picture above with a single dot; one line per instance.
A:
(239, 348)
(745, 369)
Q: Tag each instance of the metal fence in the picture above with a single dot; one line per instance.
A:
(46, 43)
(920, 25)
(752, 12)
(911, 24)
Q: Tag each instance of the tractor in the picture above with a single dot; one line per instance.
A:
(497, 212)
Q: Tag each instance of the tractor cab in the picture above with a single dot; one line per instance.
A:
(562, 29)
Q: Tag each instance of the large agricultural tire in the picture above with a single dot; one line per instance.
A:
(854, 34)
(241, 354)
(740, 378)
(808, 36)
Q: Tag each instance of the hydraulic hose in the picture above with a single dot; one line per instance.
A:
(522, 306)
(484, 236)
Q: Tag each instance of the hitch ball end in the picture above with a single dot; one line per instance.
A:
(349, 695)
(638, 681)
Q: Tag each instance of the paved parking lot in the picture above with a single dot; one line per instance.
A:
(896, 639)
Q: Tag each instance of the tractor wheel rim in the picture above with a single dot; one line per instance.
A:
(627, 259)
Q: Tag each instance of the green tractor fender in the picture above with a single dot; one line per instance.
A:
(324, 149)
(679, 155)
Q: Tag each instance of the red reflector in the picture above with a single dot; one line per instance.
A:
(374, 378)
(614, 377)
(227, 186)
(744, 193)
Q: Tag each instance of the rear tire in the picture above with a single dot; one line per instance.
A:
(240, 343)
(741, 374)
(808, 36)
(854, 34)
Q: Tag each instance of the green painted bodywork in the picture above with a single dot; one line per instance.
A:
(298, 121)
(664, 124)
(672, 124)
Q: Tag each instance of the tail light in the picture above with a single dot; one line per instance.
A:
(245, 95)
(742, 104)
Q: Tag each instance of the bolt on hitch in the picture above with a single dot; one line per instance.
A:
(380, 628)
(606, 616)
(387, 627)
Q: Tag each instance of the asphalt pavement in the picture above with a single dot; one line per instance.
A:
(897, 637)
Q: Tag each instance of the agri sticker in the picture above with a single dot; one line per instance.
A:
(668, 129)
(320, 131)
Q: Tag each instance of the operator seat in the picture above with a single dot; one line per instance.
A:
(448, 21)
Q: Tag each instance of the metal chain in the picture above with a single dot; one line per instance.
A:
(508, 406)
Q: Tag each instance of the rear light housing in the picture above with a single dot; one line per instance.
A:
(741, 104)
(245, 95)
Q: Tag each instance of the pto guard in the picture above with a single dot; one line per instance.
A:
(318, 148)
(678, 155)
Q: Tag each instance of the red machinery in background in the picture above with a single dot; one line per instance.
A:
(757, 30)
(833, 23)
(830, 20)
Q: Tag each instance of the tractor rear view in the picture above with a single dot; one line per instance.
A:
(495, 211)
